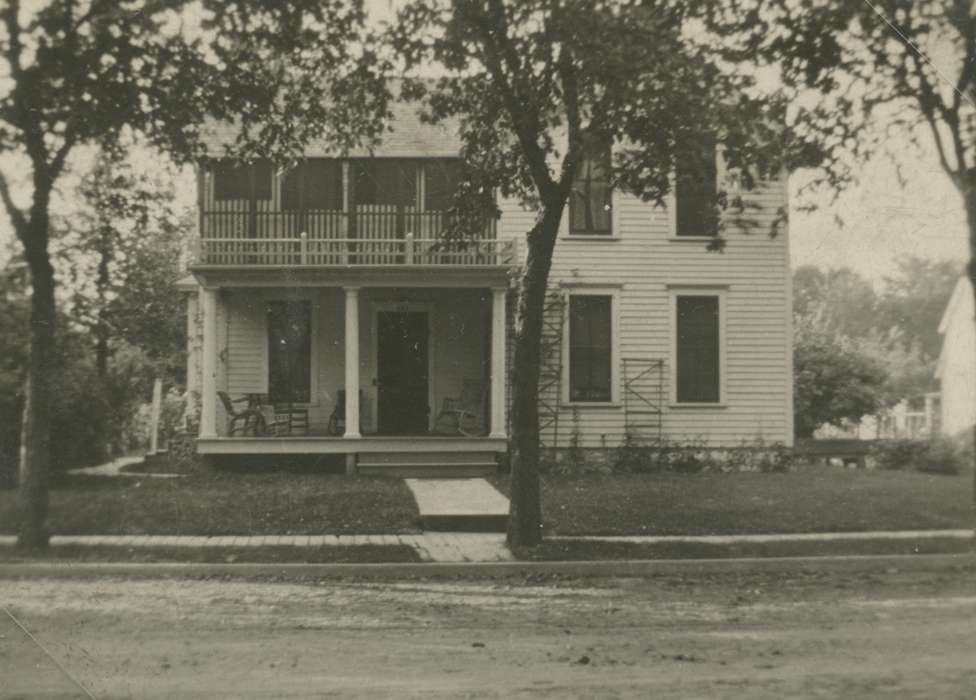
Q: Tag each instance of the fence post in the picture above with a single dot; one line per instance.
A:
(157, 406)
(304, 248)
(408, 241)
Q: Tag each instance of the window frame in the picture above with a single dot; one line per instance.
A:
(611, 232)
(720, 292)
(314, 311)
(721, 184)
(597, 291)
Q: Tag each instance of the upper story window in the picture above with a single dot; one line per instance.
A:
(385, 182)
(590, 206)
(696, 191)
(441, 178)
(313, 184)
(234, 180)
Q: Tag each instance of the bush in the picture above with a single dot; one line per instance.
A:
(935, 456)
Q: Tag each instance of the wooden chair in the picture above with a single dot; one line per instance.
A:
(462, 416)
(290, 419)
(251, 419)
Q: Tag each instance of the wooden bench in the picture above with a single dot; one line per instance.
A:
(849, 450)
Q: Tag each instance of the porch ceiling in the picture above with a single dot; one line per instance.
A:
(384, 276)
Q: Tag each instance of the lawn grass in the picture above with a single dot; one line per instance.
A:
(591, 550)
(352, 554)
(810, 499)
(277, 503)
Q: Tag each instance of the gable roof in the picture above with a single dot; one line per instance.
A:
(406, 136)
(958, 303)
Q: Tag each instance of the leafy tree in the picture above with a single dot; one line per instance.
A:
(913, 302)
(80, 72)
(534, 85)
(870, 71)
(833, 379)
(842, 300)
(125, 247)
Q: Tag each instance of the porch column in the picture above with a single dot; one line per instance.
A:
(208, 387)
(498, 362)
(352, 362)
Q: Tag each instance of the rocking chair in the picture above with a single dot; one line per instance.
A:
(251, 419)
(462, 416)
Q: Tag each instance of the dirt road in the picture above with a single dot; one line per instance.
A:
(890, 634)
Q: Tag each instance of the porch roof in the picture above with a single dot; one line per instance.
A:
(480, 276)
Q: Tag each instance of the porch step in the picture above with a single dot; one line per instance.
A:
(459, 505)
(403, 457)
(438, 465)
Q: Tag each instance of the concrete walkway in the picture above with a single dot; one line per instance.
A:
(454, 505)
(114, 468)
(457, 546)
(430, 546)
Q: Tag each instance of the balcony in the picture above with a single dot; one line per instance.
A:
(368, 237)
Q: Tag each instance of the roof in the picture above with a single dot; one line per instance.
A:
(407, 136)
(958, 303)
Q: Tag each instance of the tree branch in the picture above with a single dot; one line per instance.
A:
(523, 120)
(13, 211)
(570, 82)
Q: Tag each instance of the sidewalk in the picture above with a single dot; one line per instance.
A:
(446, 547)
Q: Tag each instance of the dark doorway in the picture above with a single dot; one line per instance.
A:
(402, 372)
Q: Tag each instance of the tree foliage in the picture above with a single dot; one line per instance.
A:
(534, 84)
(83, 72)
(834, 380)
(125, 246)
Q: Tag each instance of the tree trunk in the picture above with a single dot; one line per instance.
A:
(102, 281)
(36, 423)
(969, 195)
(525, 514)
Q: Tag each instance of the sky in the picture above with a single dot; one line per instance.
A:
(876, 222)
(867, 228)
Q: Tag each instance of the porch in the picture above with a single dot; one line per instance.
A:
(412, 353)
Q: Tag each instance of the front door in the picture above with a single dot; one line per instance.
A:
(401, 372)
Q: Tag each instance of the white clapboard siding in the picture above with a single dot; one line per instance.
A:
(247, 344)
(642, 261)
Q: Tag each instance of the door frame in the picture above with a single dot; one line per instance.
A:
(426, 307)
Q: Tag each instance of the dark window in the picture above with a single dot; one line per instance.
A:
(698, 350)
(239, 180)
(441, 179)
(696, 192)
(386, 182)
(590, 345)
(589, 202)
(313, 184)
(289, 351)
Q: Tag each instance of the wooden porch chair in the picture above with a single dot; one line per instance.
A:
(337, 421)
(290, 419)
(250, 418)
(462, 416)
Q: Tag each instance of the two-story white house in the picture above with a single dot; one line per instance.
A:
(323, 295)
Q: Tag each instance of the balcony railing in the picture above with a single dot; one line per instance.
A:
(342, 252)
(370, 236)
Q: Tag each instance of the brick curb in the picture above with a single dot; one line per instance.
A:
(489, 570)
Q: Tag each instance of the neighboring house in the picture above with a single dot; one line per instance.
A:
(914, 418)
(330, 275)
(956, 370)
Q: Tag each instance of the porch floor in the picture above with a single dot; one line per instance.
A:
(314, 444)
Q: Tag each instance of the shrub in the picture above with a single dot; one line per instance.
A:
(940, 456)
(935, 456)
